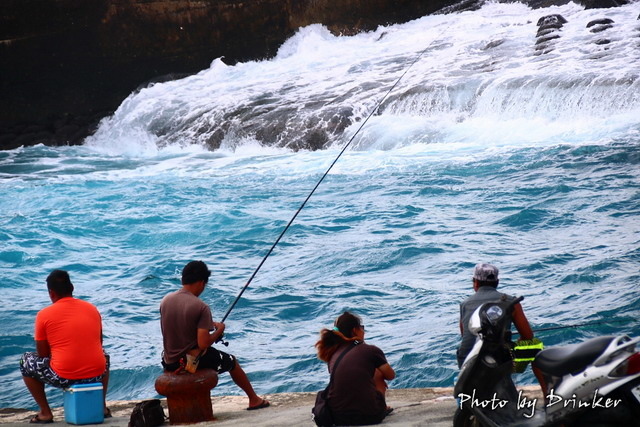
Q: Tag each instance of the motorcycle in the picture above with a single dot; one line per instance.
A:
(593, 383)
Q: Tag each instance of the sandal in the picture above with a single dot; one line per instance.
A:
(265, 403)
(38, 420)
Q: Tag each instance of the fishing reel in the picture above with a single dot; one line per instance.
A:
(221, 338)
(221, 341)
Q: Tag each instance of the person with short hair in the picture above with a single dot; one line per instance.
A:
(485, 281)
(357, 392)
(68, 336)
(186, 323)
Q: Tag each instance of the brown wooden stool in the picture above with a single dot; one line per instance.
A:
(188, 395)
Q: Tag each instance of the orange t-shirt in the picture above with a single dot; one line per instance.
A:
(73, 329)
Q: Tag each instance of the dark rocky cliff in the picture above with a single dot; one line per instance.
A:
(65, 64)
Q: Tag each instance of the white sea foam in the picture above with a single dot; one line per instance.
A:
(480, 81)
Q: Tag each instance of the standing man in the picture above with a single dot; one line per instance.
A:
(186, 320)
(68, 336)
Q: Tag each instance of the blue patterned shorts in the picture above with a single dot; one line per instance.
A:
(33, 366)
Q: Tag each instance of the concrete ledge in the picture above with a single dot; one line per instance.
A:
(432, 407)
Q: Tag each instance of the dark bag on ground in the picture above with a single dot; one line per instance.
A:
(148, 413)
(321, 412)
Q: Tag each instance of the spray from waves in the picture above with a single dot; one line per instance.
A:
(482, 81)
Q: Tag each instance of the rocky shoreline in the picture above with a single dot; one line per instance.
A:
(66, 64)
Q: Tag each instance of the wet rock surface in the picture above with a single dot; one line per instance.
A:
(549, 28)
(66, 64)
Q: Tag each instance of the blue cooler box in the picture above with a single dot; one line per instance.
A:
(84, 404)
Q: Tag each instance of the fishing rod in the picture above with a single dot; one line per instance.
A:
(322, 179)
(577, 325)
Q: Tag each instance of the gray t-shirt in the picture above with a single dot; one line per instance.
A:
(468, 306)
(181, 315)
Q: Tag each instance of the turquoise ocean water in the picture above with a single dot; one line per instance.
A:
(487, 151)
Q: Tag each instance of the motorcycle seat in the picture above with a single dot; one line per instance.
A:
(573, 358)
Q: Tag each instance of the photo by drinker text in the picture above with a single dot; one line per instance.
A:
(529, 405)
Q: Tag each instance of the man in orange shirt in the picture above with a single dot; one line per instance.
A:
(68, 336)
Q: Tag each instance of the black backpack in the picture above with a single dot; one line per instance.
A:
(148, 413)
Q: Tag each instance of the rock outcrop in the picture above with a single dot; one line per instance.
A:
(548, 30)
(65, 64)
(601, 4)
